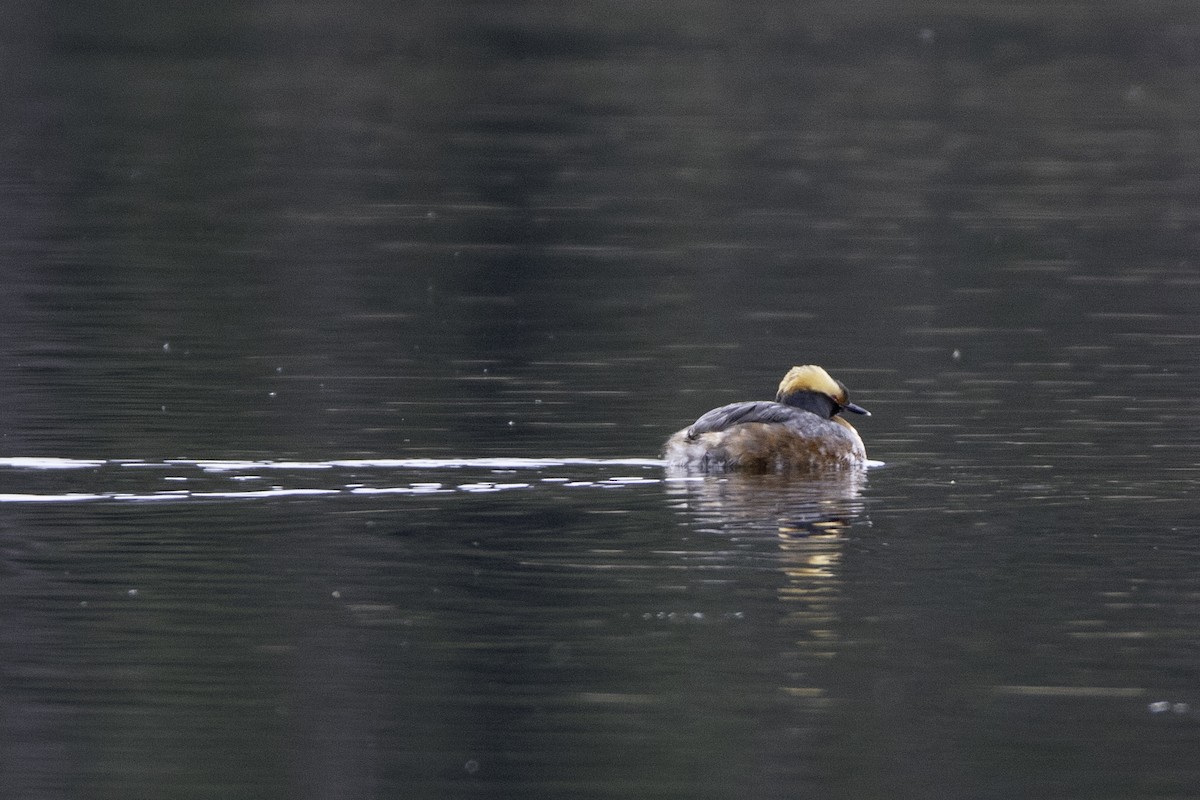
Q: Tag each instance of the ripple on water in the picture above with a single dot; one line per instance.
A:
(231, 479)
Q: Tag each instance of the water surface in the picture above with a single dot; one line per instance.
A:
(337, 345)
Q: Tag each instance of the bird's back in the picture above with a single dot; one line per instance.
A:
(764, 437)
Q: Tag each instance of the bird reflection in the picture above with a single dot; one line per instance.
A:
(808, 523)
(794, 509)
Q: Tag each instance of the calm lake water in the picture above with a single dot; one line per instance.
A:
(338, 341)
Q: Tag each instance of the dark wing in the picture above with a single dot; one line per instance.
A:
(740, 413)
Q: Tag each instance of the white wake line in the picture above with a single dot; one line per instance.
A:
(234, 465)
(245, 470)
(177, 495)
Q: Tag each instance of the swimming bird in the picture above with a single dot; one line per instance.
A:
(800, 430)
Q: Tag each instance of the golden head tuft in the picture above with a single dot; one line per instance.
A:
(811, 378)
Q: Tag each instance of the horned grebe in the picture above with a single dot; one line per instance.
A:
(800, 430)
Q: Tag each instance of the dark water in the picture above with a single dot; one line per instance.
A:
(337, 342)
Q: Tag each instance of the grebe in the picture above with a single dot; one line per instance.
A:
(800, 430)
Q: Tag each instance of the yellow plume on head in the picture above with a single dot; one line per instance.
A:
(811, 378)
